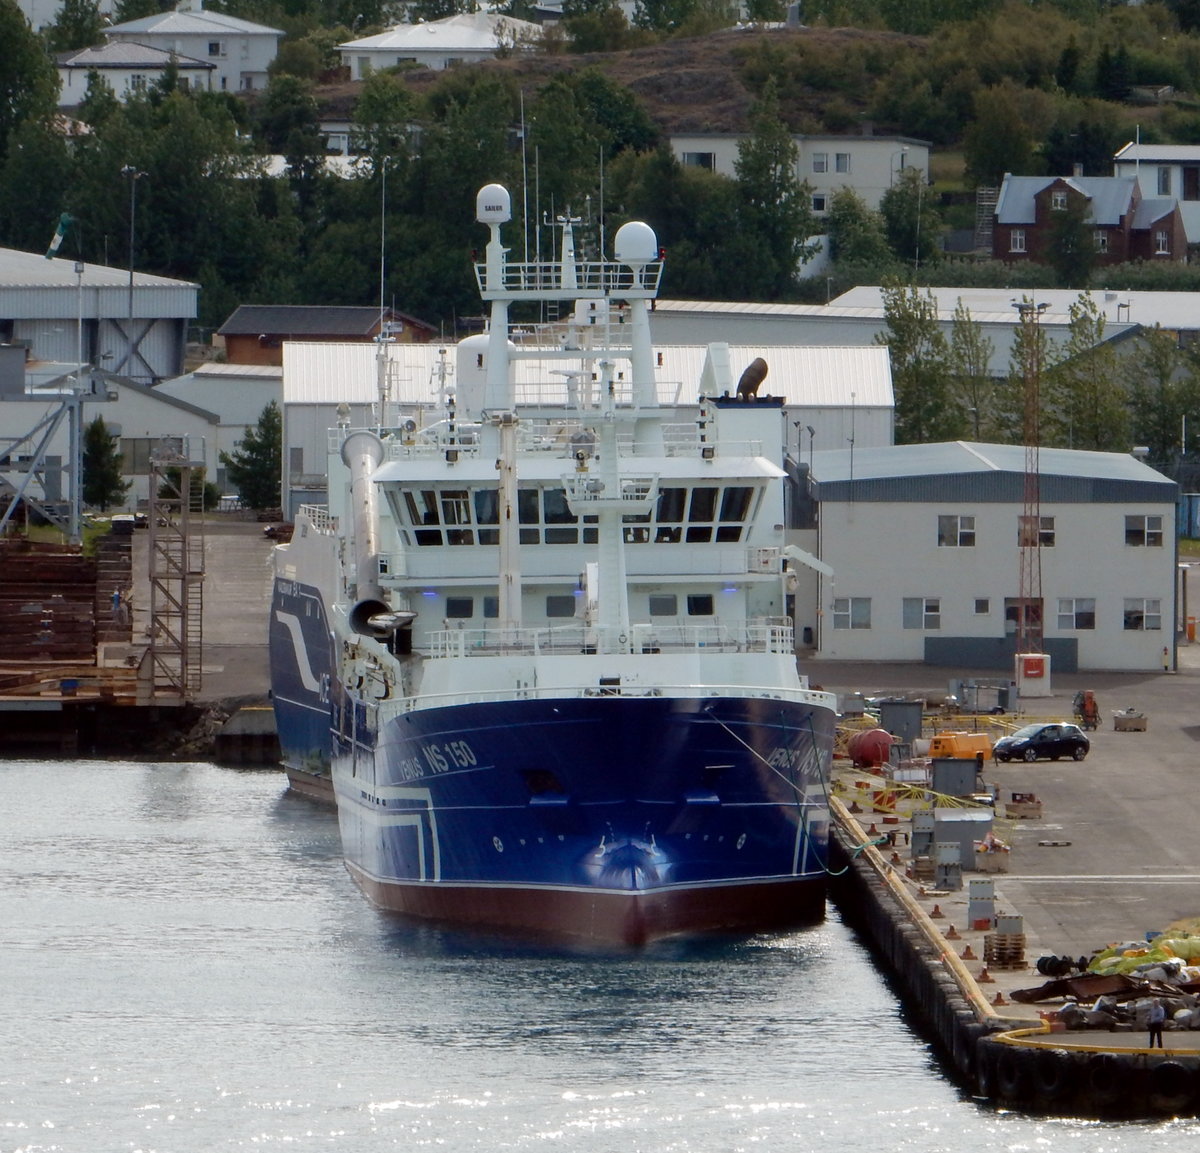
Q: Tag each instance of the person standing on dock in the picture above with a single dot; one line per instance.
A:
(1157, 1016)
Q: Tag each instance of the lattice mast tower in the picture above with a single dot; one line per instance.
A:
(1029, 535)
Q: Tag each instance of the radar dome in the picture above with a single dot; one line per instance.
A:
(493, 205)
(635, 244)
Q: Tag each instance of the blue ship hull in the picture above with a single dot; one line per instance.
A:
(616, 819)
(301, 654)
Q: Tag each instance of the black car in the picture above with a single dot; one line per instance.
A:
(1035, 742)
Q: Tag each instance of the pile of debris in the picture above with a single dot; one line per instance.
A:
(1120, 985)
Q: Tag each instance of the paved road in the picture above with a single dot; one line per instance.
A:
(237, 597)
(1129, 812)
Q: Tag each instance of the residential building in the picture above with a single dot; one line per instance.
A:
(1122, 223)
(438, 44)
(924, 541)
(870, 165)
(126, 68)
(255, 333)
(240, 50)
(1166, 170)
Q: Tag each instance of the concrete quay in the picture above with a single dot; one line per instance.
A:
(1109, 861)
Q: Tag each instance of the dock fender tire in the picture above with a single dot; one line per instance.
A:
(1051, 1073)
(983, 1069)
(1010, 1074)
(1104, 1076)
(1172, 1083)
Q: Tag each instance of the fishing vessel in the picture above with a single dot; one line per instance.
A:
(538, 640)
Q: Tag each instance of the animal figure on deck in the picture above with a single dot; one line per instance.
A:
(755, 374)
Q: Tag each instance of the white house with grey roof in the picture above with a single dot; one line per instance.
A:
(438, 44)
(923, 543)
(240, 50)
(869, 165)
(126, 68)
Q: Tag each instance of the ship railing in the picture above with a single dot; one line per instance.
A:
(761, 635)
(319, 517)
(568, 281)
(626, 689)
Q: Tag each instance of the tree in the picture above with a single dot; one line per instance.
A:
(382, 122)
(77, 25)
(856, 232)
(1164, 389)
(775, 212)
(1086, 403)
(998, 140)
(973, 385)
(1071, 247)
(28, 81)
(912, 220)
(103, 482)
(255, 467)
(926, 408)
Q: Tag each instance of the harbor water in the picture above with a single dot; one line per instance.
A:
(186, 966)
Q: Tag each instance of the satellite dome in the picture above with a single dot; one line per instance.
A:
(493, 204)
(635, 244)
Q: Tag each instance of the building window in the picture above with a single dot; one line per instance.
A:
(922, 613)
(852, 612)
(1144, 531)
(700, 160)
(664, 605)
(1016, 240)
(1162, 243)
(1027, 538)
(1076, 613)
(956, 531)
(137, 82)
(491, 608)
(700, 605)
(216, 48)
(841, 162)
(983, 606)
(460, 608)
(295, 460)
(560, 606)
(820, 202)
(1058, 201)
(1164, 180)
(1101, 240)
(820, 161)
(1142, 615)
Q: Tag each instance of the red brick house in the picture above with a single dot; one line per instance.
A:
(254, 333)
(1125, 226)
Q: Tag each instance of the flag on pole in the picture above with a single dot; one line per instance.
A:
(64, 222)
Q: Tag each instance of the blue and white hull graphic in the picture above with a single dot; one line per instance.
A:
(620, 819)
(301, 653)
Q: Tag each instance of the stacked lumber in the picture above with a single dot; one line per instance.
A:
(47, 603)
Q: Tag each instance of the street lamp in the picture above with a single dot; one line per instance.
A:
(133, 175)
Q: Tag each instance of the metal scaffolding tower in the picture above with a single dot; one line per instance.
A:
(176, 529)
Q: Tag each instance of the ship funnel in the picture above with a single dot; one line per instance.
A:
(362, 453)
